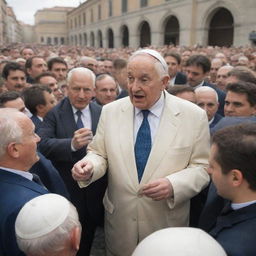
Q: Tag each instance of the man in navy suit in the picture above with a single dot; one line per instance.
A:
(233, 171)
(18, 144)
(65, 133)
(39, 100)
(197, 69)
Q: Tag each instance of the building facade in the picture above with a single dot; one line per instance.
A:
(13, 27)
(3, 18)
(134, 23)
(51, 25)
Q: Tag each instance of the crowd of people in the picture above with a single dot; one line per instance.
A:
(122, 136)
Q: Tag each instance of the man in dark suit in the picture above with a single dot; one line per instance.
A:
(18, 144)
(65, 132)
(173, 61)
(39, 100)
(207, 99)
(232, 168)
(197, 69)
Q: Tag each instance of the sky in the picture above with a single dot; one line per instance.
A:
(25, 9)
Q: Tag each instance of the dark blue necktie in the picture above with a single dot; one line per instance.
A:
(142, 145)
(79, 122)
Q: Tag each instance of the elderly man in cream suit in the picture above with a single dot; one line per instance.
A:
(140, 200)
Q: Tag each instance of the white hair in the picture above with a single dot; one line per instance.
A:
(53, 242)
(207, 89)
(160, 64)
(10, 130)
(81, 70)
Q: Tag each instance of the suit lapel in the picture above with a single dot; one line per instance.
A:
(167, 131)
(67, 118)
(127, 141)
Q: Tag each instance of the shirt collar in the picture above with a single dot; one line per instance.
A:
(84, 111)
(24, 174)
(156, 109)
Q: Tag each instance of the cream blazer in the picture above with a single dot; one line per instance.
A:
(179, 153)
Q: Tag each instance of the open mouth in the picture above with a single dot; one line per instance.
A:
(138, 96)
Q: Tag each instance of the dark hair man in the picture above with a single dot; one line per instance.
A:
(173, 61)
(14, 77)
(39, 100)
(240, 99)
(233, 171)
(59, 67)
(197, 69)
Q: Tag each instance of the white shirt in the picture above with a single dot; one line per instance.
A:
(153, 118)
(24, 174)
(241, 205)
(86, 116)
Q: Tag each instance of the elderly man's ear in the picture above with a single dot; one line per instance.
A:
(75, 237)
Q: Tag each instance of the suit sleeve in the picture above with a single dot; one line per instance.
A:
(96, 152)
(191, 180)
(51, 146)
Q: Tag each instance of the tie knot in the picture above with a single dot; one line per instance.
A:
(145, 113)
(79, 113)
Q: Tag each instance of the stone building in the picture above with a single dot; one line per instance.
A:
(51, 25)
(13, 27)
(118, 23)
(3, 17)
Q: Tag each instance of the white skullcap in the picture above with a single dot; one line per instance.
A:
(179, 241)
(41, 215)
(154, 54)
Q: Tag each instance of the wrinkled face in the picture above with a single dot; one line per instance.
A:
(38, 66)
(208, 102)
(80, 90)
(237, 104)
(173, 66)
(144, 82)
(195, 75)
(28, 146)
(106, 90)
(17, 103)
(27, 53)
(16, 80)
(221, 181)
(60, 71)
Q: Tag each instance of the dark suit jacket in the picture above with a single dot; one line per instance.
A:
(216, 119)
(15, 191)
(122, 94)
(235, 231)
(221, 96)
(49, 176)
(56, 133)
(37, 122)
(180, 78)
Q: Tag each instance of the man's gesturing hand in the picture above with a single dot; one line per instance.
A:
(82, 170)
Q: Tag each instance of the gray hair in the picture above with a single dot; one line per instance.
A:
(160, 64)
(10, 130)
(81, 70)
(207, 89)
(53, 242)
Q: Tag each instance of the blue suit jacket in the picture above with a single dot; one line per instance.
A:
(49, 176)
(15, 191)
(235, 231)
(180, 78)
(56, 133)
(37, 122)
(216, 119)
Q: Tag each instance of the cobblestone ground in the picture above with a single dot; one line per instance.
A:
(98, 246)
